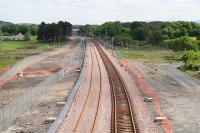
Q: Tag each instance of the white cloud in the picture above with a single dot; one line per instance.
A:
(98, 11)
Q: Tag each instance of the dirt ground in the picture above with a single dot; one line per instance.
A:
(33, 121)
(37, 69)
(38, 72)
(179, 94)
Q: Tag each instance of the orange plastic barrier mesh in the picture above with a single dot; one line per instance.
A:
(4, 69)
(166, 124)
(14, 77)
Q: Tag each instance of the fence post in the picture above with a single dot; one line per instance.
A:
(10, 113)
(3, 120)
(22, 103)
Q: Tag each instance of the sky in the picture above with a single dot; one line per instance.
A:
(98, 11)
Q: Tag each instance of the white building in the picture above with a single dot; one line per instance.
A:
(20, 37)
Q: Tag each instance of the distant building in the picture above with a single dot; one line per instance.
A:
(20, 37)
(75, 31)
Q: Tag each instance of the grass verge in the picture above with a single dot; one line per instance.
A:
(7, 48)
(150, 53)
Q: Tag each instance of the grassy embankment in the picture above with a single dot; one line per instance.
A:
(150, 54)
(8, 48)
(154, 54)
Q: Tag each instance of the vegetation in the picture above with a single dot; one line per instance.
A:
(178, 36)
(12, 51)
(53, 32)
(183, 43)
(9, 29)
(191, 60)
(12, 45)
(48, 35)
(150, 53)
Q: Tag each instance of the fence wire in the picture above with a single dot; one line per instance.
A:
(18, 106)
(115, 50)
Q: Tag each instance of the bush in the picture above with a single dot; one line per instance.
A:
(183, 43)
(156, 37)
(124, 38)
(191, 60)
(27, 36)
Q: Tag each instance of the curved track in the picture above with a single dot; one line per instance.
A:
(122, 116)
(102, 103)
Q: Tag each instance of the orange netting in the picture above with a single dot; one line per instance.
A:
(4, 68)
(166, 124)
(37, 73)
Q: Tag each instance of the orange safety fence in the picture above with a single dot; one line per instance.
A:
(29, 74)
(166, 124)
(4, 68)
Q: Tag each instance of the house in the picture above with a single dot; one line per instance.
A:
(19, 37)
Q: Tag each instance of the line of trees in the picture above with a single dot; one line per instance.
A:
(54, 31)
(9, 29)
(178, 36)
(151, 32)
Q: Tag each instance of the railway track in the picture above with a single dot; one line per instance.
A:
(85, 109)
(86, 113)
(122, 119)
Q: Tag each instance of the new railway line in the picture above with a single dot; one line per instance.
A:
(87, 116)
(122, 113)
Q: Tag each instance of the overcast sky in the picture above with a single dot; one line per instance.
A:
(98, 11)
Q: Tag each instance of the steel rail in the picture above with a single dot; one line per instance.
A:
(122, 119)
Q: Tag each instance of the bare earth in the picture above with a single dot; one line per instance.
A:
(37, 69)
(19, 86)
(179, 94)
(33, 121)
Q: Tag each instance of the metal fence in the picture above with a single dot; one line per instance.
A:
(115, 50)
(18, 106)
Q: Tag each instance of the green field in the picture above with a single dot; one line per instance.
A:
(4, 63)
(12, 45)
(149, 53)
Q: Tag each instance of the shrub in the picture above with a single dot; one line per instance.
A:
(183, 43)
(124, 38)
(156, 37)
(191, 60)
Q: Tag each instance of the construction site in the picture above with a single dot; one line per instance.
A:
(87, 86)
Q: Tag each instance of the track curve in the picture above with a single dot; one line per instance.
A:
(122, 113)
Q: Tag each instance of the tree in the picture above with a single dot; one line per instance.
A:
(1, 34)
(27, 36)
(156, 37)
(1, 40)
(135, 25)
(13, 29)
(140, 33)
(122, 39)
(22, 29)
(33, 30)
(50, 32)
(9, 29)
(111, 28)
(183, 43)
(41, 31)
